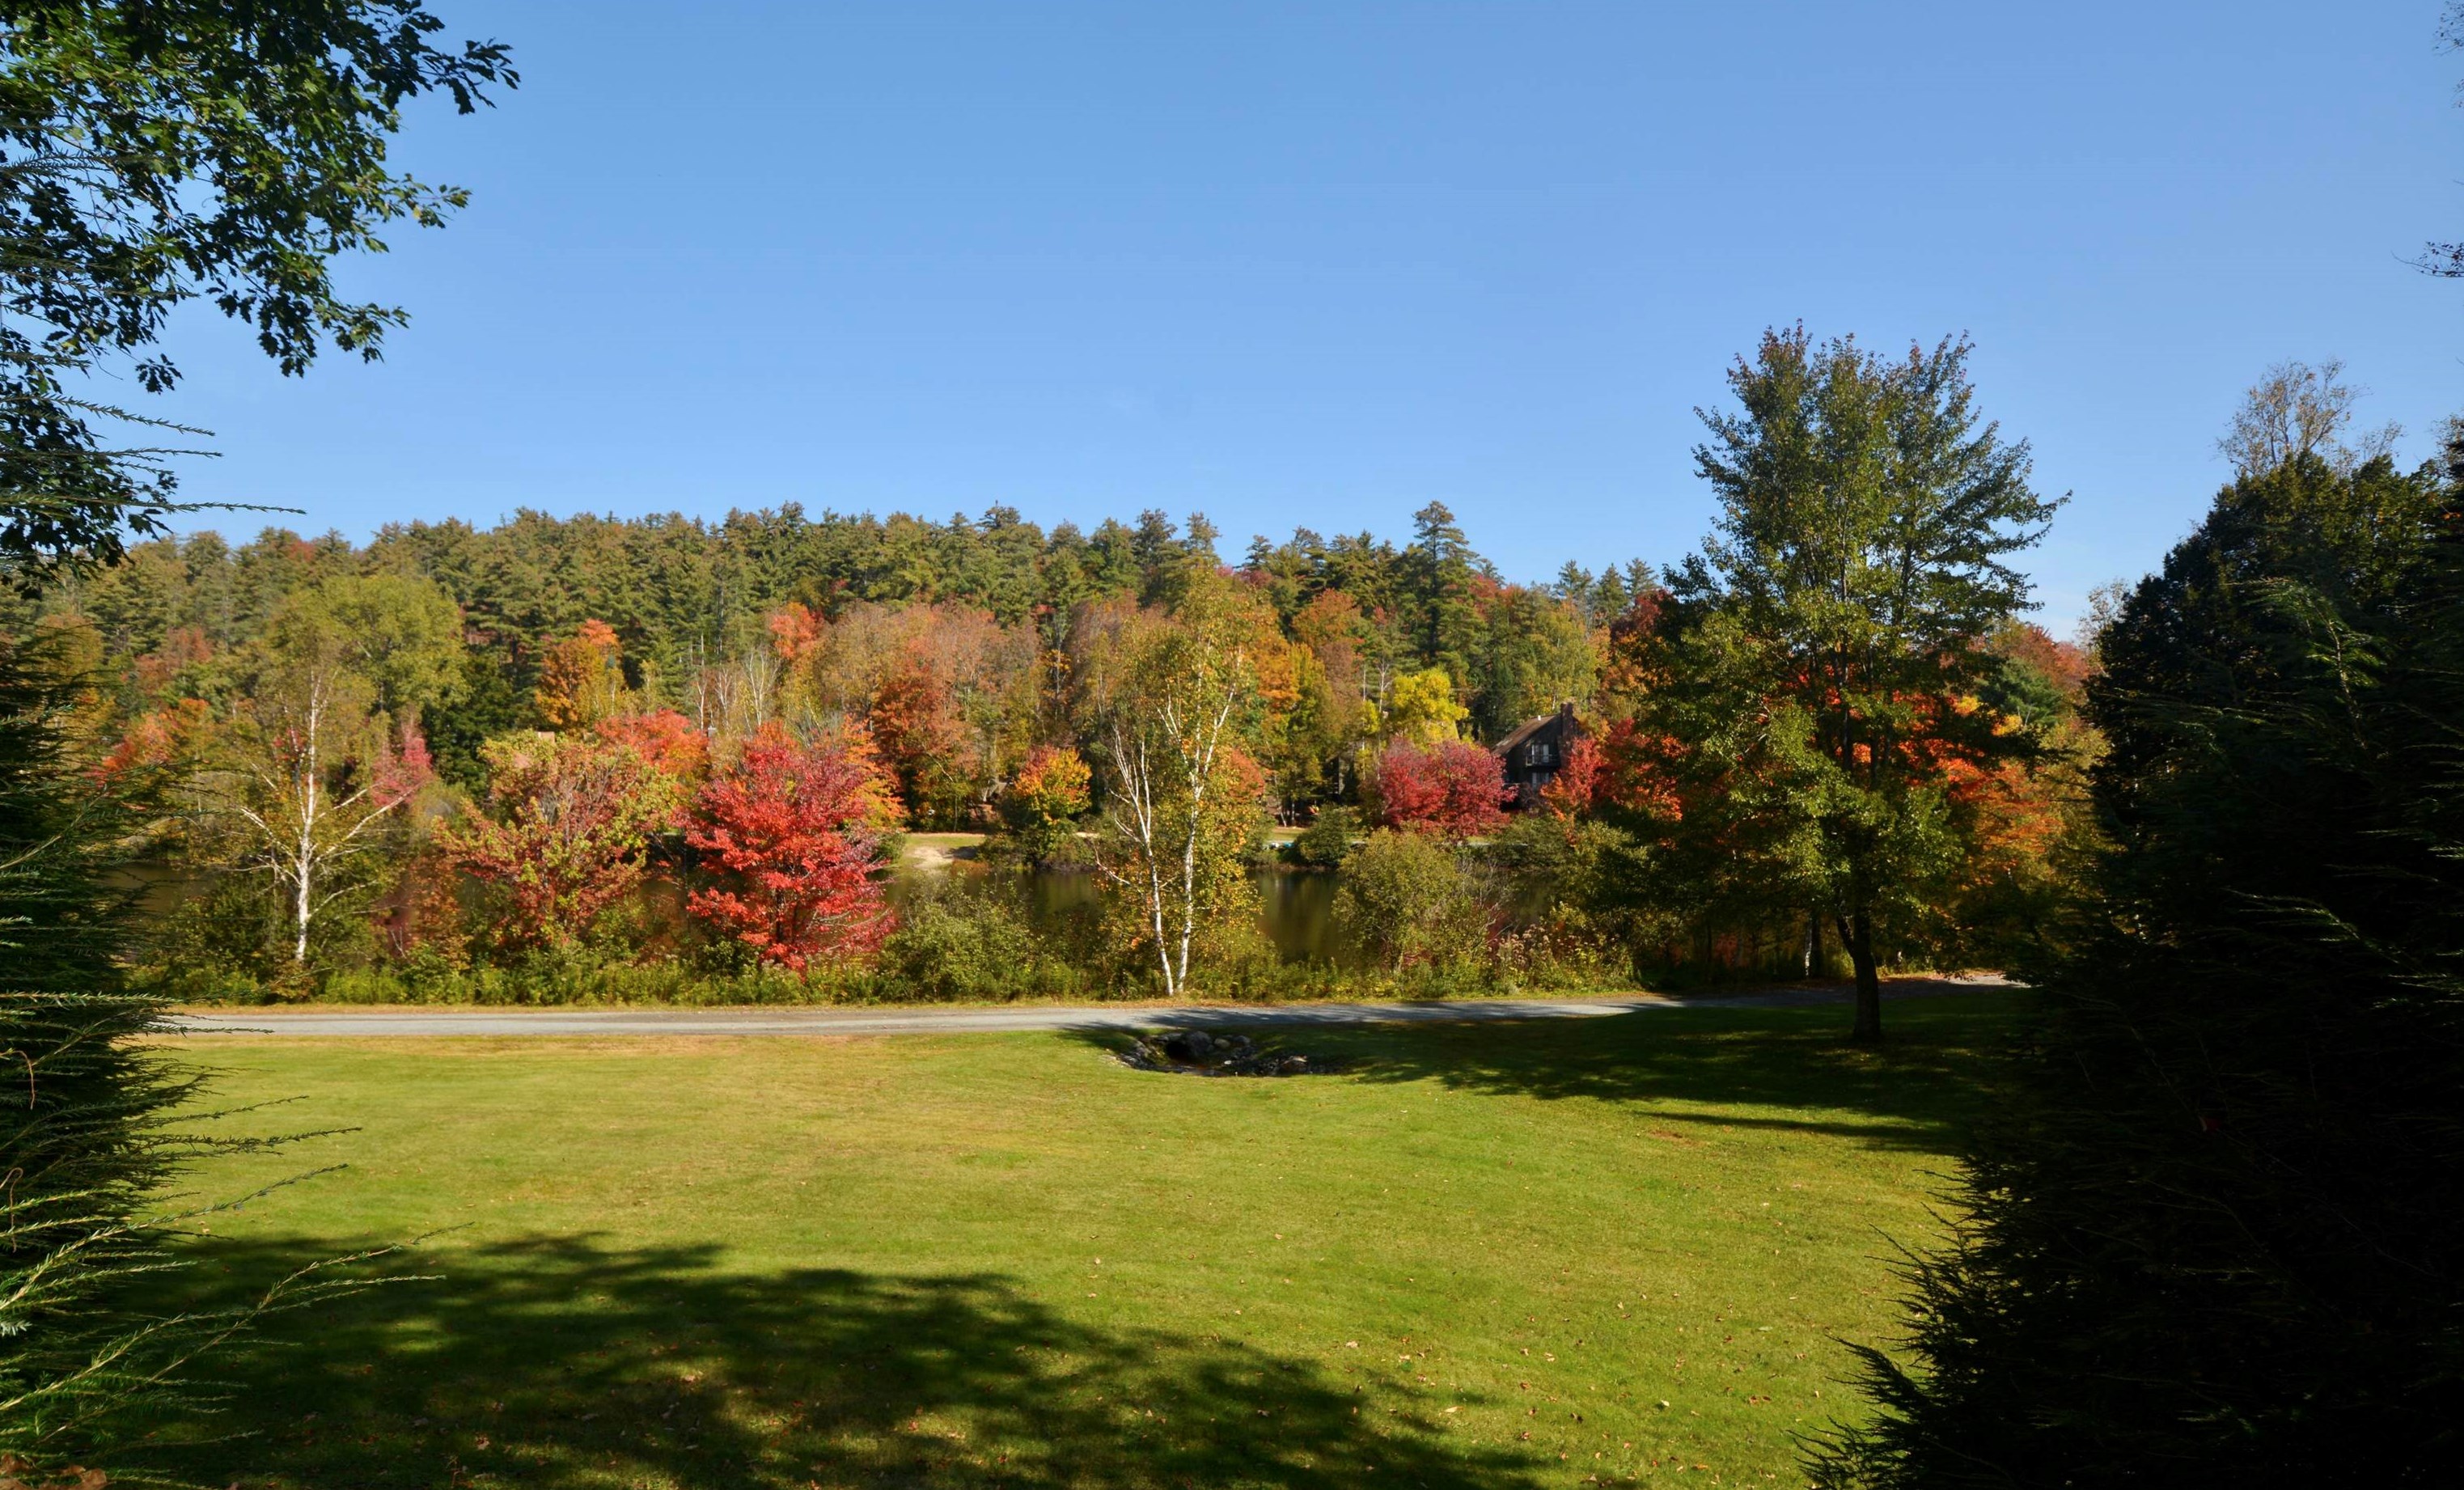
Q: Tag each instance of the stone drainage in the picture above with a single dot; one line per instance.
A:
(1197, 1053)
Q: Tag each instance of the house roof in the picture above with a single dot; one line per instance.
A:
(1528, 727)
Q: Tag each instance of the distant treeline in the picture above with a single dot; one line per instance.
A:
(682, 593)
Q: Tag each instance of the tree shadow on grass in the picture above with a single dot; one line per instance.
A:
(560, 1361)
(1918, 1090)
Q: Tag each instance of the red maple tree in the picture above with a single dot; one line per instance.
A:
(1452, 789)
(793, 827)
(1572, 791)
(1637, 771)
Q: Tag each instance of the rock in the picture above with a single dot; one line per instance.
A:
(1196, 1053)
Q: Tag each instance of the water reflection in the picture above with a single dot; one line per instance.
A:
(1298, 904)
(1300, 914)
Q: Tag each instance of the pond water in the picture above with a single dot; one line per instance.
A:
(1299, 905)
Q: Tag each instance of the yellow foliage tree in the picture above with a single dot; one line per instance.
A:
(1421, 710)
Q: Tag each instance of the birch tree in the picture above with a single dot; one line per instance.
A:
(1181, 795)
(308, 770)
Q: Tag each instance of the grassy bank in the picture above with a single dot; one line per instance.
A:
(1485, 1256)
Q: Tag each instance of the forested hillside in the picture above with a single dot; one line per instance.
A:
(662, 757)
(688, 601)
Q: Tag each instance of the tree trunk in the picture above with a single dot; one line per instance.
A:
(1857, 934)
(1812, 943)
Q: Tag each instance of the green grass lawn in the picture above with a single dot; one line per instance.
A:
(1487, 1255)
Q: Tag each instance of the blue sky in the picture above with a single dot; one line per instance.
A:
(1319, 264)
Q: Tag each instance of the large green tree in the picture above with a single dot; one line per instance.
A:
(157, 152)
(1828, 641)
(2209, 1234)
(152, 153)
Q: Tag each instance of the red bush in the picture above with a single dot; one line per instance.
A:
(1451, 789)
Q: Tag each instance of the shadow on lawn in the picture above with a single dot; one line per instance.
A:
(560, 1362)
(1917, 1091)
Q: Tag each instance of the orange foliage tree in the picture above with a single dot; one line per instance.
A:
(948, 693)
(1051, 792)
(581, 678)
(575, 817)
(915, 720)
(667, 741)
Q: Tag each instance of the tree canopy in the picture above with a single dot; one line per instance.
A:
(158, 152)
(1815, 677)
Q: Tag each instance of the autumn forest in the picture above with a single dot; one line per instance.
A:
(604, 759)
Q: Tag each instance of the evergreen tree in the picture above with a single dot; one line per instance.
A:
(2209, 1234)
(151, 154)
(1533, 653)
(1828, 642)
(1438, 570)
(82, 1135)
(85, 1128)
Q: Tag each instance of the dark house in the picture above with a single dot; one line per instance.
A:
(1536, 752)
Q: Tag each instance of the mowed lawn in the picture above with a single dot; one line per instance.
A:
(1538, 1254)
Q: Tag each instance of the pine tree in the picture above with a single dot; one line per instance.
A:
(85, 1122)
(1826, 645)
(2209, 1234)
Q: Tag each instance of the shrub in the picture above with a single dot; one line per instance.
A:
(1327, 839)
(962, 942)
(1451, 789)
(1405, 899)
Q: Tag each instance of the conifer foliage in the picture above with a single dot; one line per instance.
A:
(80, 1116)
(85, 1112)
(1823, 649)
(150, 154)
(2211, 1230)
